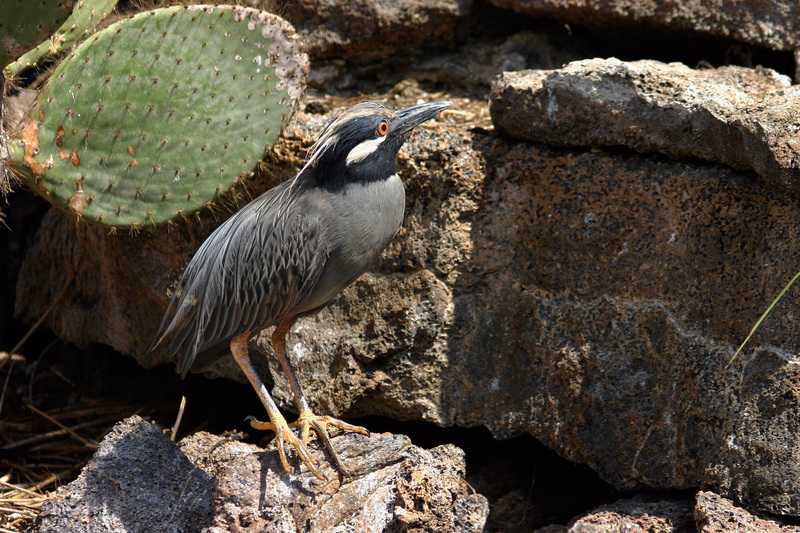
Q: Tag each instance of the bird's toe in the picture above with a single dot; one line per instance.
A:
(284, 434)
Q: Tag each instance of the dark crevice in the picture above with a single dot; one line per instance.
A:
(629, 40)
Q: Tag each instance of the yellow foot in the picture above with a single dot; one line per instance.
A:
(284, 434)
(308, 420)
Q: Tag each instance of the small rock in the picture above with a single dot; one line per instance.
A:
(637, 515)
(715, 514)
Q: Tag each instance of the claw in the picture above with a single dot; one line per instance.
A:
(283, 433)
(307, 420)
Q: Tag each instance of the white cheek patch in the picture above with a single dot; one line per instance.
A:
(363, 150)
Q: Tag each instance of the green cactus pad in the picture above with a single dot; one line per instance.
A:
(85, 17)
(157, 115)
(26, 23)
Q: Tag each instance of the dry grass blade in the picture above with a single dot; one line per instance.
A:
(18, 507)
(20, 489)
(63, 427)
(181, 409)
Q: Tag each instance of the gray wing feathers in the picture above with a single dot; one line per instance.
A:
(249, 274)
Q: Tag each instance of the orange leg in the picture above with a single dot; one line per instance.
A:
(307, 418)
(277, 422)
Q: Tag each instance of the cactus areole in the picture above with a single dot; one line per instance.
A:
(157, 115)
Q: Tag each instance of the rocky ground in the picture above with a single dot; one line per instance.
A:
(590, 232)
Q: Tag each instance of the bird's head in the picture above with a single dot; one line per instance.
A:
(362, 143)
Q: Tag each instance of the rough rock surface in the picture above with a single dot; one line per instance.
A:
(140, 481)
(363, 31)
(769, 23)
(396, 486)
(715, 514)
(137, 481)
(617, 269)
(741, 117)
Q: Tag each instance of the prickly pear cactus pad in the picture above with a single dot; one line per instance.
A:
(157, 115)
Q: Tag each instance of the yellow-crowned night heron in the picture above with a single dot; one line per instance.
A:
(290, 251)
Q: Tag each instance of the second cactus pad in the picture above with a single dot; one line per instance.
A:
(157, 115)
(85, 17)
(24, 24)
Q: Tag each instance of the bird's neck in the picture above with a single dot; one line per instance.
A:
(337, 177)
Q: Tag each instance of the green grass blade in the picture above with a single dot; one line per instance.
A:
(762, 317)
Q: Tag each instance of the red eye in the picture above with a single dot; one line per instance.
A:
(383, 128)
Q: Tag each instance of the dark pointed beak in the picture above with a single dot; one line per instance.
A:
(407, 119)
